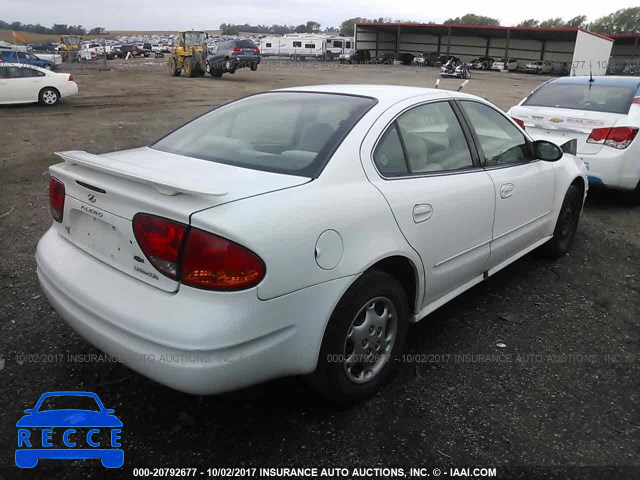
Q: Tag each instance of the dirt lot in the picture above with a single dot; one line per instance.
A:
(565, 391)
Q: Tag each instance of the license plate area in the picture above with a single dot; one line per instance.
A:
(109, 238)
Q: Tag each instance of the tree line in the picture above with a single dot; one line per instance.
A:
(626, 20)
(57, 29)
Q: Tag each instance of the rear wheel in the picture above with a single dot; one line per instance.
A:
(230, 66)
(363, 339)
(254, 66)
(49, 96)
(566, 226)
(634, 196)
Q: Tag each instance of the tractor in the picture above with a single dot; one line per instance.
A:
(70, 47)
(189, 55)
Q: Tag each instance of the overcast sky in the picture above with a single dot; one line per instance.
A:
(208, 14)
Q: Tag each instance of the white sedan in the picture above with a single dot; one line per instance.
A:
(602, 114)
(21, 83)
(298, 231)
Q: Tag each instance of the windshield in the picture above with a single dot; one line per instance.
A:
(592, 97)
(69, 402)
(193, 39)
(284, 132)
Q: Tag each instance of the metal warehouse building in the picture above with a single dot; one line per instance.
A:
(523, 43)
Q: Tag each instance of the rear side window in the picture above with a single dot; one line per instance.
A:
(389, 156)
(425, 139)
(29, 73)
(592, 97)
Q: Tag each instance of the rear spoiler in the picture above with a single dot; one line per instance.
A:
(163, 182)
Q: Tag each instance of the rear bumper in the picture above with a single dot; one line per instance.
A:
(619, 169)
(246, 60)
(193, 340)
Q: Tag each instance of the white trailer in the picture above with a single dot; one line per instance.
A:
(305, 46)
(591, 54)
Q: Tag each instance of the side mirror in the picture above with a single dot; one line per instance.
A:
(109, 411)
(29, 411)
(547, 151)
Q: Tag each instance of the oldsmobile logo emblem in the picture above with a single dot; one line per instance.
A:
(92, 198)
(556, 120)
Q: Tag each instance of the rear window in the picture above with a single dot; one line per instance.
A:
(284, 132)
(245, 44)
(592, 97)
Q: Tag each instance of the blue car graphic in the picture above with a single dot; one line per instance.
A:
(32, 447)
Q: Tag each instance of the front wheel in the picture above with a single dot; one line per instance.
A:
(363, 339)
(173, 67)
(566, 226)
(467, 74)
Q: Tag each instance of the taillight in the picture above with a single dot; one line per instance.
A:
(616, 137)
(636, 100)
(56, 198)
(257, 50)
(160, 240)
(71, 79)
(237, 49)
(195, 257)
(519, 122)
(215, 263)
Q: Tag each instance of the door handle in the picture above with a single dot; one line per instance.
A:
(506, 190)
(422, 212)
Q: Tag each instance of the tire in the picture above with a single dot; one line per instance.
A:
(634, 196)
(49, 96)
(188, 65)
(254, 66)
(215, 73)
(344, 381)
(173, 67)
(230, 66)
(566, 226)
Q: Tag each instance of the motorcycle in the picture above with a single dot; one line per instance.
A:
(450, 70)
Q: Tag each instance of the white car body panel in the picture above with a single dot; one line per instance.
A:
(315, 237)
(27, 90)
(611, 167)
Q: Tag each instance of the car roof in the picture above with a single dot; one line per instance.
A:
(23, 65)
(384, 94)
(600, 80)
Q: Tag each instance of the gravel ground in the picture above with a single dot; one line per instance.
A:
(537, 366)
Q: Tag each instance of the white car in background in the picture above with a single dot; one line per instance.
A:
(539, 67)
(239, 248)
(601, 113)
(500, 64)
(21, 83)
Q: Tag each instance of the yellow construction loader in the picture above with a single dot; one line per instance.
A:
(70, 47)
(189, 55)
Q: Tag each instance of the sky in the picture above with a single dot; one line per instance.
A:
(209, 14)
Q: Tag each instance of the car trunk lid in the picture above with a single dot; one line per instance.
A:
(103, 193)
(560, 124)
